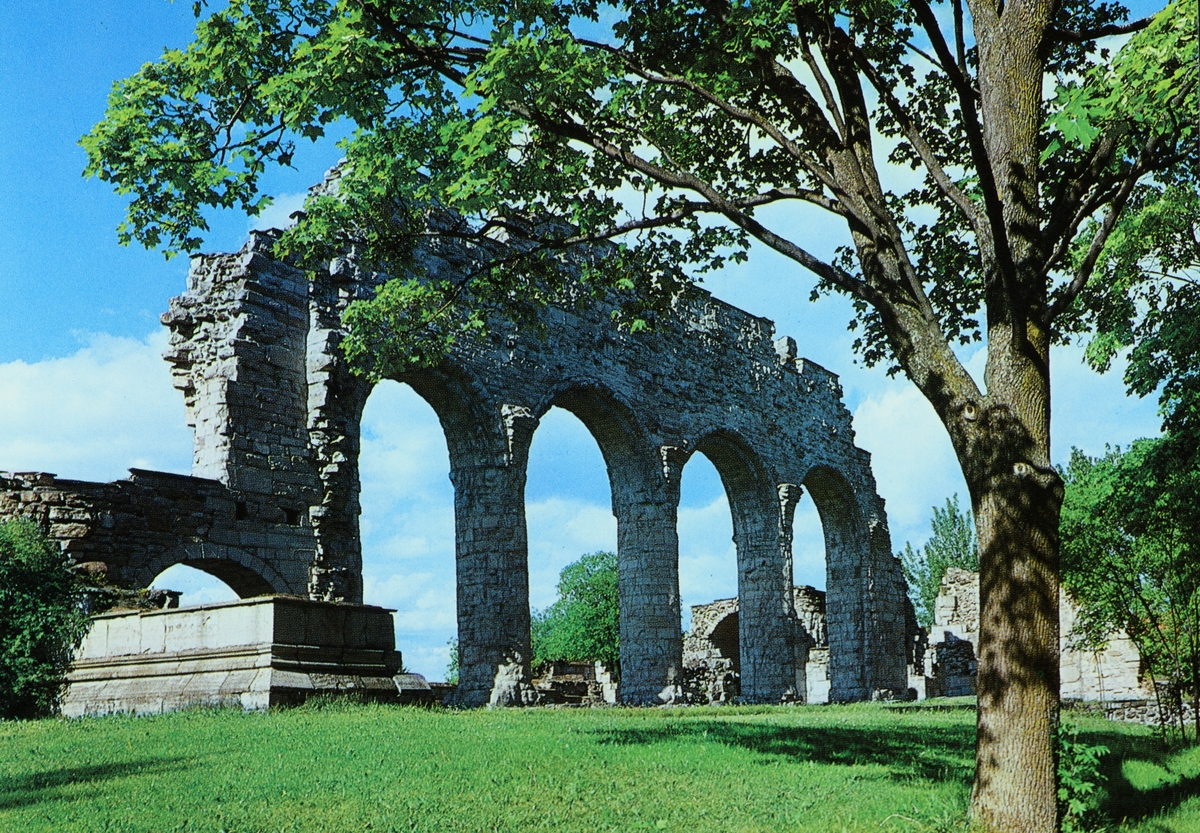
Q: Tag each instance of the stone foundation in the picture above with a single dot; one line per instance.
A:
(252, 654)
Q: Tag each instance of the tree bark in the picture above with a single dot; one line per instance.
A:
(1017, 498)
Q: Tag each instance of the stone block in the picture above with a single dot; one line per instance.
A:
(237, 653)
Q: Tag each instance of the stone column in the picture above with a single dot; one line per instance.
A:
(646, 505)
(493, 569)
(766, 611)
(648, 566)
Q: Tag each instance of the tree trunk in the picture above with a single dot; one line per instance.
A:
(1017, 497)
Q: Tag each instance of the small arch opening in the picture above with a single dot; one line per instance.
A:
(195, 587)
(707, 553)
(568, 506)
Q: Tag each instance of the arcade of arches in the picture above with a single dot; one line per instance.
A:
(273, 503)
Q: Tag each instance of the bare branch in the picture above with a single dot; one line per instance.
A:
(1068, 36)
(823, 84)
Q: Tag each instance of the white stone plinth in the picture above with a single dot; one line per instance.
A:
(252, 653)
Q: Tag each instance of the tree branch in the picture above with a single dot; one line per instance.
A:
(1069, 36)
(721, 205)
(949, 188)
(1084, 272)
(979, 154)
(742, 114)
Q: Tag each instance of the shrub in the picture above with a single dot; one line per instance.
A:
(42, 621)
(1079, 781)
(584, 624)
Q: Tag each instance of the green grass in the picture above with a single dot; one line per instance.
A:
(361, 767)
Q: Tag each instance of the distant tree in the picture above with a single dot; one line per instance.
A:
(952, 544)
(584, 624)
(42, 621)
(452, 664)
(1132, 563)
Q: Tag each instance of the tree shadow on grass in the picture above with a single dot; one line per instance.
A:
(1123, 800)
(932, 753)
(36, 787)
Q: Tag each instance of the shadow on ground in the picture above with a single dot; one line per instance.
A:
(47, 785)
(933, 753)
(1123, 800)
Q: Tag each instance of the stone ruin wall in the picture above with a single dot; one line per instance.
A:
(1113, 675)
(712, 659)
(272, 504)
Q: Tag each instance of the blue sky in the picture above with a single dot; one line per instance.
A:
(84, 393)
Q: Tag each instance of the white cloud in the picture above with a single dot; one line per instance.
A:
(279, 213)
(94, 414)
(914, 464)
(560, 531)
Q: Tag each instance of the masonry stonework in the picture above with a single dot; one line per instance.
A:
(273, 504)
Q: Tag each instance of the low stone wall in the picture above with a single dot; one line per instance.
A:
(575, 684)
(130, 530)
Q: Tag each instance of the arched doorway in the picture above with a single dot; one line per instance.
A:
(568, 505)
(846, 546)
(407, 524)
(765, 621)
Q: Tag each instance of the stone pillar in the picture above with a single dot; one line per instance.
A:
(766, 612)
(336, 398)
(845, 586)
(493, 569)
(648, 568)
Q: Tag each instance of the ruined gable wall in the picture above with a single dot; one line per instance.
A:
(1111, 674)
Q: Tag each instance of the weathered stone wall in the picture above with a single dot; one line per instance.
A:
(712, 650)
(255, 349)
(1111, 675)
(136, 528)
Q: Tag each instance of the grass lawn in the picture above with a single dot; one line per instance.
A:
(361, 767)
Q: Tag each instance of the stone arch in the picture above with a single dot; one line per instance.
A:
(765, 614)
(462, 409)
(488, 445)
(726, 638)
(246, 574)
(847, 543)
(645, 505)
(613, 424)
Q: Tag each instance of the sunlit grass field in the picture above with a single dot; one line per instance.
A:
(347, 767)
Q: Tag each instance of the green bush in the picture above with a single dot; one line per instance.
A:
(1079, 781)
(42, 621)
(584, 624)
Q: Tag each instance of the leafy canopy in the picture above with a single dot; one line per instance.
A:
(42, 621)
(584, 624)
(681, 131)
(1131, 558)
(952, 544)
